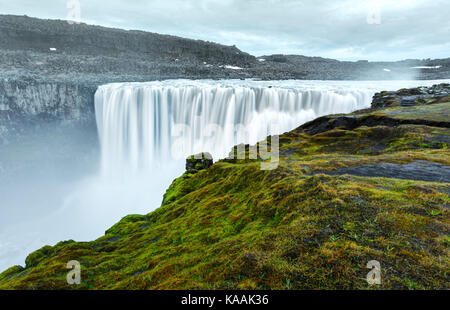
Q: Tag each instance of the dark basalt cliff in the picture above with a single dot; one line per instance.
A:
(25, 104)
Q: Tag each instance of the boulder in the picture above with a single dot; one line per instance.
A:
(199, 162)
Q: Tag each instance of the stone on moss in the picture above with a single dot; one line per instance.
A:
(199, 162)
(412, 96)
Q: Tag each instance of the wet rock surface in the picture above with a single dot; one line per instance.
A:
(411, 97)
(417, 170)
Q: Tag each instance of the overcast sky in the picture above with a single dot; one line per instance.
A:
(340, 29)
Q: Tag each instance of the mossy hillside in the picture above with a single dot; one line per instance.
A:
(438, 112)
(234, 226)
(340, 148)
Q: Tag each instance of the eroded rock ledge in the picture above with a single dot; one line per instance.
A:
(392, 109)
(412, 96)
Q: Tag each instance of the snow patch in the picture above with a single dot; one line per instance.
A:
(427, 67)
(231, 67)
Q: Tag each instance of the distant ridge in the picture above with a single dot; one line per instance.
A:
(33, 34)
(45, 49)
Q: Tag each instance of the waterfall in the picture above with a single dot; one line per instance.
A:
(145, 124)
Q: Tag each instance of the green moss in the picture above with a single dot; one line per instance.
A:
(439, 112)
(36, 257)
(178, 187)
(11, 272)
(234, 226)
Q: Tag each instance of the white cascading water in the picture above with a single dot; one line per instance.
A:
(142, 125)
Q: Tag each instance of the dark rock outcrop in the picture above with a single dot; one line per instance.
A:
(199, 162)
(412, 96)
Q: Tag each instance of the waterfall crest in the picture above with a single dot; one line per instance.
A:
(145, 124)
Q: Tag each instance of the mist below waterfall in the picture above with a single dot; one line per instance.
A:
(67, 184)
